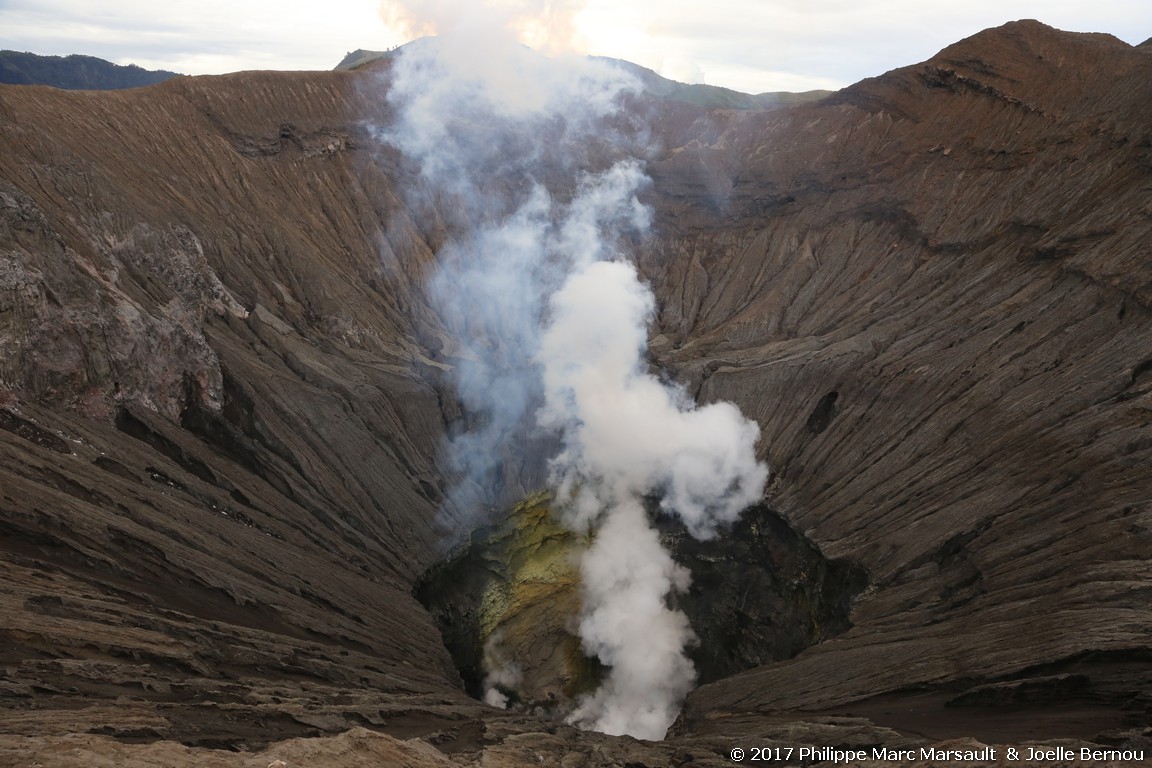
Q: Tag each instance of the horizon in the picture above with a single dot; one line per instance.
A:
(749, 46)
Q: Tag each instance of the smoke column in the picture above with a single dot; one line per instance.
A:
(554, 327)
(487, 119)
(626, 434)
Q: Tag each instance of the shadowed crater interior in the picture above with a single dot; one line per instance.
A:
(508, 600)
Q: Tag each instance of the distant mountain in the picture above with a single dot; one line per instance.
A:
(707, 96)
(359, 57)
(75, 72)
(713, 96)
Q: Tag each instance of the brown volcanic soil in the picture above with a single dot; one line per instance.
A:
(222, 395)
(963, 262)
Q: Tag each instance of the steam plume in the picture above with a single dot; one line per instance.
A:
(626, 434)
(545, 25)
(501, 674)
(489, 122)
(554, 324)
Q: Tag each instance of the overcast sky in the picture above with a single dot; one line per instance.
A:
(750, 45)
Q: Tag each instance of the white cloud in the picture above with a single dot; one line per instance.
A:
(751, 45)
(207, 37)
(764, 45)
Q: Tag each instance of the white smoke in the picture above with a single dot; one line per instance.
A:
(483, 116)
(626, 435)
(501, 674)
(544, 25)
(517, 149)
(626, 578)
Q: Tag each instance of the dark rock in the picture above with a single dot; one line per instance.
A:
(1036, 690)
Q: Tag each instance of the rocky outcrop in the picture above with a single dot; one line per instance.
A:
(222, 396)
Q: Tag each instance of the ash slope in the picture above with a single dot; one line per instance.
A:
(223, 393)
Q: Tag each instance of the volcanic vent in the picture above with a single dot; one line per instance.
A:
(507, 602)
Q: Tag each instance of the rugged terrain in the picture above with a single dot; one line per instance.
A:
(222, 395)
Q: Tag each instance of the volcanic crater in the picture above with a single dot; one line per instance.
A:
(224, 396)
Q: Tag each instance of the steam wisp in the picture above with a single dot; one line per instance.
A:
(482, 116)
